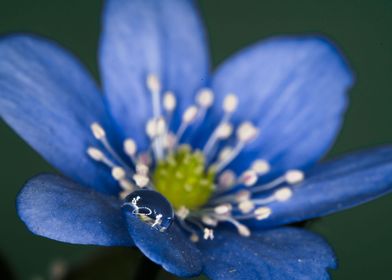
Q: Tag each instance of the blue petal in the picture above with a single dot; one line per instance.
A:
(279, 254)
(57, 208)
(172, 248)
(335, 186)
(142, 37)
(294, 90)
(50, 100)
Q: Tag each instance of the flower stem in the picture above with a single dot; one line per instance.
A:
(147, 269)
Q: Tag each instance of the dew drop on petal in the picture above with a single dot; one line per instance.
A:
(150, 207)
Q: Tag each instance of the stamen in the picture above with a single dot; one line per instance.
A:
(262, 213)
(229, 106)
(241, 228)
(294, 176)
(246, 206)
(188, 117)
(205, 98)
(154, 86)
(224, 130)
(230, 103)
(182, 212)
(246, 132)
(208, 234)
(126, 185)
(98, 131)
(291, 177)
(226, 180)
(249, 178)
(283, 194)
(141, 180)
(99, 134)
(130, 148)
(118, 173)
(260, 166)
(97, 155)
(142, 169)
(169, 101)
(223, 209)
(208, 220)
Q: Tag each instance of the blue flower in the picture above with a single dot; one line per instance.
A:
(231, 154)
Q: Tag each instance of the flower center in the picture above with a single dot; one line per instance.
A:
(181, 177)
(171, 181)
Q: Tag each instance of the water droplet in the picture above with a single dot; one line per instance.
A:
(150, 207)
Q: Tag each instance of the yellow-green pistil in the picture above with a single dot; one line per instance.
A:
(181, 177)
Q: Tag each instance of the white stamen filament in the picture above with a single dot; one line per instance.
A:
(187, 118)
(97, 155)
(154, 86)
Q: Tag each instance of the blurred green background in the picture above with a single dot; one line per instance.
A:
(362, 237)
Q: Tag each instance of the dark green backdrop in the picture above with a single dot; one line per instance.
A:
(362, 237)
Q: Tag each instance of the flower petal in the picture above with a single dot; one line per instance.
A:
(283, 253)
(142, 37)
(294, 89)
(54, 207)
(49, 99)
(171, 249)
(335, 186)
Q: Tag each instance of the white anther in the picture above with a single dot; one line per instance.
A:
(170, 140)
(182, 212)
(208, 220)
(144, 158)
(260, 166)
(169, 101)
(208, 234)
(194, 237)
(224, 130)
(283, 194)
(130, 147)
(189, 114)
(246, 132)
(262, 213)
(205, 98)
(225, 153)
(230, 103)
(142, 169)
(153, 83)
(294, 176)
(151, 128)
(98, 131)
(223, 209)
(141, 180)
(249, 178)
(242, 195)
(227, 179)
(160, 126)
(95, 154)
(243, 230)
(118, 173)
(246, 206)
(126, 185)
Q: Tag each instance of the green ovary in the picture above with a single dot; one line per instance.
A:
(182, 178)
